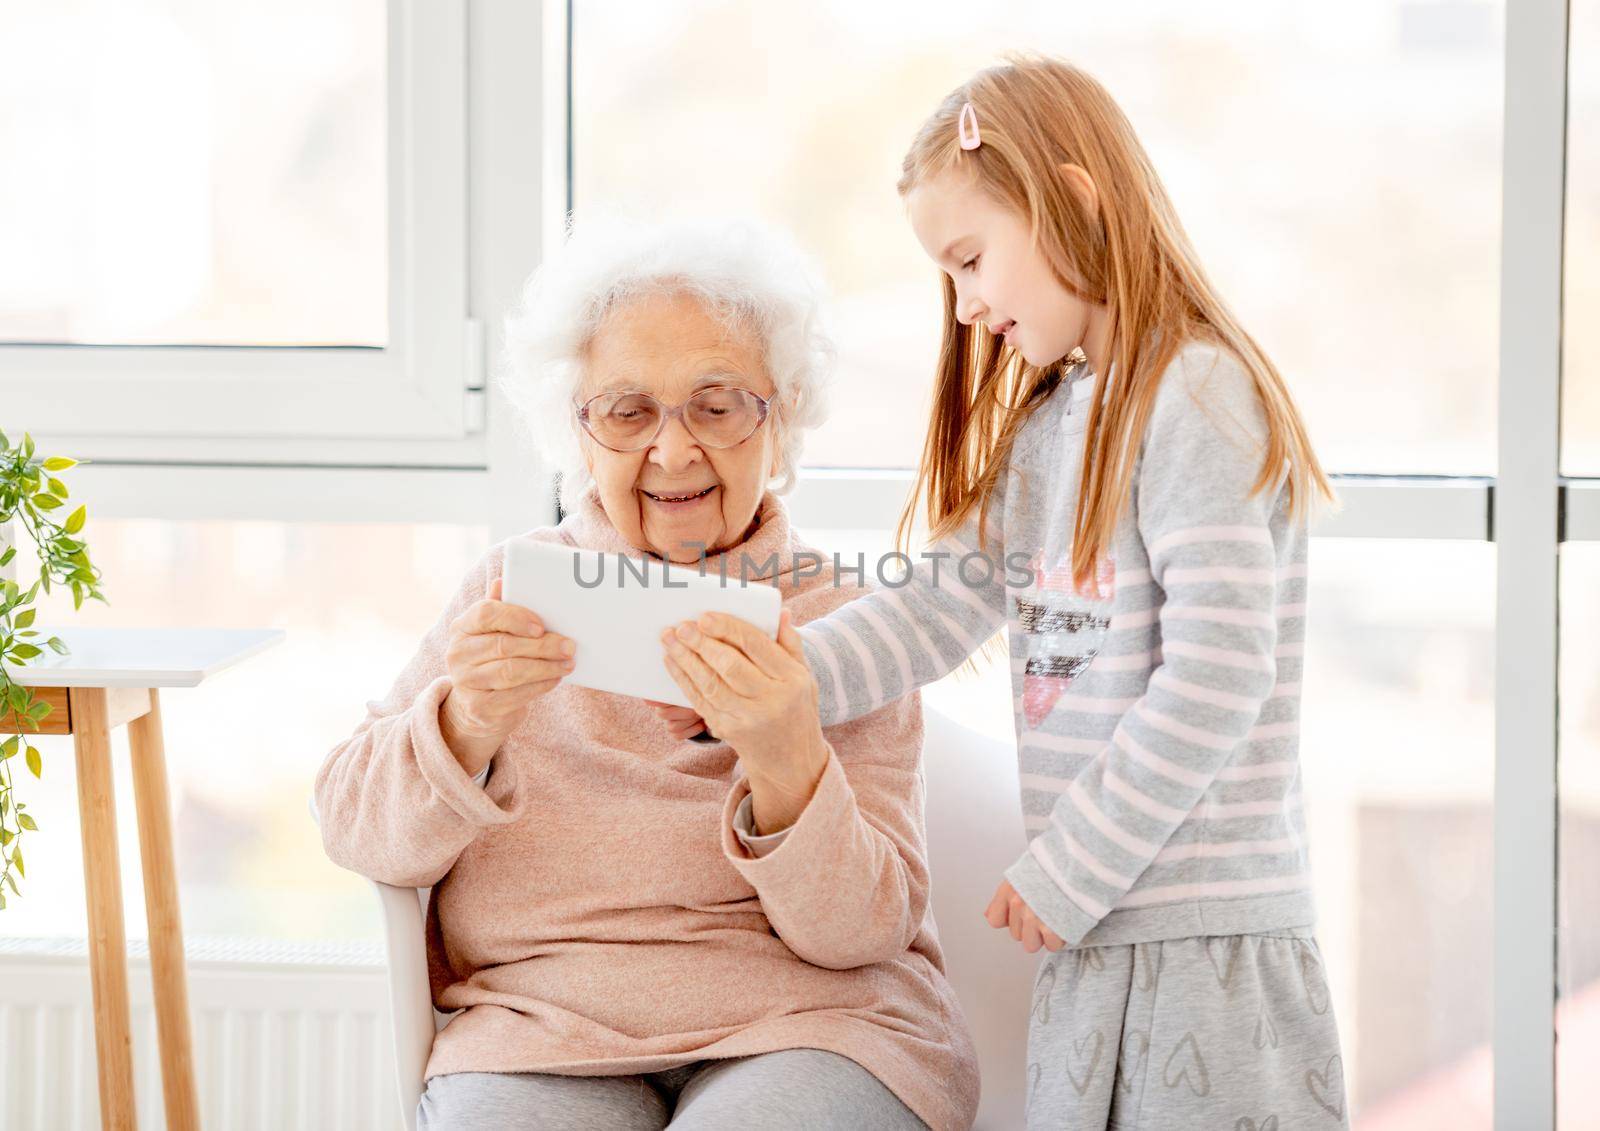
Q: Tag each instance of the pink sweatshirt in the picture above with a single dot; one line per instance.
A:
(593, 912)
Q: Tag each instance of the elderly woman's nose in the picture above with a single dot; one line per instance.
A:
(675, 449)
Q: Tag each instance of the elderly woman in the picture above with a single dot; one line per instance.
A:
(637, 931)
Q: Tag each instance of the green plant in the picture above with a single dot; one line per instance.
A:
(29, 492)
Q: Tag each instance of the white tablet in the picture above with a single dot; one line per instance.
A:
(615, 608)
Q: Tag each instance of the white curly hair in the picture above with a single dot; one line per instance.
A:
(748, 275)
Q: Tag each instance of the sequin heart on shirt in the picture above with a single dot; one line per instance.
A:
(1062, 630)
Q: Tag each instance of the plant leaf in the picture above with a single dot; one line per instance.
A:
(16, 861)
(55, 645)
(75, 520)
(32, 758)
(56, 463)
(19, 696)
(26, 822)
(5, 558)
(24, 619)
(24, 651)
(55, 487)
(46, 502)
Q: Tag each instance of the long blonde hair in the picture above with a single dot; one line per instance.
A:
(1034, 115)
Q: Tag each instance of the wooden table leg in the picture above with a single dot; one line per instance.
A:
(102, 881)
(167, 971)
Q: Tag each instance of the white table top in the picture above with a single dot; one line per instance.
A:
(139, 657)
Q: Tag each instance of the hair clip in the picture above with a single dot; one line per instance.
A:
(969, 140)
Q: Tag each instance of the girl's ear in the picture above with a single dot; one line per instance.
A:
(1082, 184)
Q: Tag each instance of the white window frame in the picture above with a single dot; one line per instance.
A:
(1375, 506)
(411, 401)
(1531, 497)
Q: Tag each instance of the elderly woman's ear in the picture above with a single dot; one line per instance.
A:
(781, 416)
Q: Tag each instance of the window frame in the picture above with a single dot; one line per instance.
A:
(420, 394)
(1531, 496)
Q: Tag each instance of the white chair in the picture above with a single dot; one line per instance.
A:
(410, 998)
(974, 833)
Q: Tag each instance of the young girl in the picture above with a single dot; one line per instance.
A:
(1116, 472)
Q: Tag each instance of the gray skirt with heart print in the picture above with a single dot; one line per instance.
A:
(1231, 1031)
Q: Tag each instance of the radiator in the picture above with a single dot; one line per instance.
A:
(284, 1037)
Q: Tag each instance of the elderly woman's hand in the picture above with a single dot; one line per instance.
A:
(500, 659)
(759, 697)
(681, 722)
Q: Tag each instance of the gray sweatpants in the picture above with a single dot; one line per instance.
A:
(1232, 1031)
(798, 1089)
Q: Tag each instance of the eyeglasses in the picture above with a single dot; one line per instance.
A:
(716, 417)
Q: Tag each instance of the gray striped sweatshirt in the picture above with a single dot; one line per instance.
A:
(1158, 723)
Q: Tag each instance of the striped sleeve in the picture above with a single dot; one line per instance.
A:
(886, 644)
(1212, 553)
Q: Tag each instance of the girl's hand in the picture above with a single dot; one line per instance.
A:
(681, 722)
(1006, 909)
(500, 660)
(758, 696)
